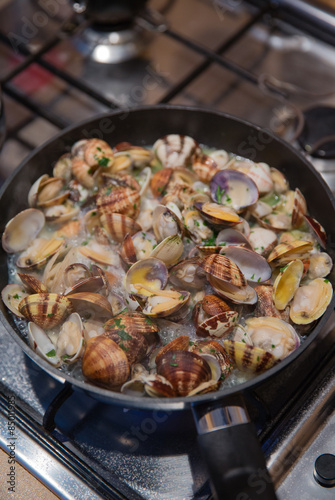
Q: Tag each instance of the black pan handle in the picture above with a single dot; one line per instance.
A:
(233, 454)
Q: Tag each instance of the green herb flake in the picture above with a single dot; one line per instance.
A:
(243, 341)
(326, 281)
(108, 192)
(149, 321)
(134, 206)
(259, 279)
(143, 250)
(228, 199)
(16, 296)
(222, 244)
(84, 243)
(257, 358)
(93, 214)
(174, 356)
(190, 343)
(181, 297)
(50, 315)
(222, 377)
(212, 350)
(196, 223)
(65, 356)
(200, 350)
(51, 354)
(173, 364)
(124, 335)
(282, 269)
(103, 161)
(252, 277)
(273, 346)
(123, 347)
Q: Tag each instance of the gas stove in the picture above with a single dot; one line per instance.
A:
(265, 63)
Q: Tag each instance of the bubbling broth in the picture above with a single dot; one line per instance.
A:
(164, 271)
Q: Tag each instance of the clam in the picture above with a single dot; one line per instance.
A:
(218, 325)
(276, 222)
(118, 226)
(318, 230)
(47, 310)
(196, 226)
(254, 267)
(69, 230)
(310, 301)
(159, 182)
(82, 172)
(280, 183)
(12, 295)
(32, 284)
(166, 223)
(97, 152)
(182, 195)
(287, 283)
(273, 335)
(238, 295)
(230, 236)
(233, 188)
(215, 349)
(75, 273)
(205, 167)
(130, 324)
(249, 358)
(184, 370)
(51, 192)
(169, 250)
(104, 362)
(187, 274)
(165, 302)
(320, 265)
(33, 191)
(285, 252)
(180, 343)
(39, 252)
(70, 340)
(260, 209)
(175, 150)
(265, 305)
(299, 208)
(259, 173)
(42, 345)
(118, 199)
(140, 156)
(224, 269)
(144, 243)
(157, 386)
(58, 214)
(262, 240)
(91, 284)
(151, 274)
(221, 158)
(62, 167)
(117, 302)
(218, 215)
(213, 305)
(102, 254)
(144, 179)
(22, 230)
(89, 304)
(135, 345)
(121, 161)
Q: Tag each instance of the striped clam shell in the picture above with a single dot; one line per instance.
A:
(131, 323)
(178, 344)
(32, 284)
(215, 349)
(104, 362)
(118, 199)
(213, 305)
(224, 269)
(248, 358)
(285, 252)
(205, 167)
(159, 181)
(135, 345)
(299, 208)
(47, 310)
(218, 326)
(118, 226)
(175, 150)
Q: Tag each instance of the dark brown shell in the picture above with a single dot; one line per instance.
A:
(135, 345)
(127, 251)
(121, 180)
(159, 181)
(104, 362)
(131, 323)
(215, 349)
(32, 284)
(224, 269)
(184, 370)
(178, 344)
(213, 305)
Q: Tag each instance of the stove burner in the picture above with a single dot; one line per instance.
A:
(318, 134)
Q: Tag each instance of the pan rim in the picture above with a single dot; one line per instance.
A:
(168, 403)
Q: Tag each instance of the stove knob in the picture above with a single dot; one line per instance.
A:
(324, 470)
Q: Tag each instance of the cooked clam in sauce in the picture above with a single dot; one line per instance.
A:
(167, 271)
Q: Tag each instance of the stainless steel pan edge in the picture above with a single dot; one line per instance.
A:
(226, 436)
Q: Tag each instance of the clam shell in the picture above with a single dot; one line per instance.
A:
(70, 340)
(47, 310)
(32, 284)
(273, 335)
(135, 345)
(118, 226)
(188, 275)
(22, 230)
(287, 283)
(50, 192)
(75, 273)
(259, 173)
(32, 195)
(205, 167)
(166, 223)
(12, 295)
(238, 295)
(104, 362)
(62, 167)
(41, 344)
(162, 305)
(320, 265)
(184, 370)
(213, 305)
(248, 358)
(280, 183)
(285, 252)
(253, 266)
(102, 254)
(265, 305)
(169, 250)
(175, 150)
(85, 302)
(224, 269)
(232, 236)
(311, 301)
(159, 181)
(139, 156)
(144, 243)
(150, 272)
(39, 252)
(263, 240)
(318, 230)
(118, 199)
(215, 349)
(218, 215)
(132, 323)
(58, 214)
(233, 188)
(178, 344)
(127, 250)
(299, 208)
(218, 326)
(157, 386)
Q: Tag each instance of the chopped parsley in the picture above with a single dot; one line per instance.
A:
(222, 377)
(173, 364)
(85, 243)
(149, 321)
(273, 346)
(282, 269)
(123, 347)
(196, 223)
(326, 281)
(174, 356)
(252, 277)
(51, 354)
(117, 322)
(228, 199)
(16, 296)
(50, 315)
(124, 335)
(109, 190)
(259, 279)
(103, 161)
(219, 194)
(134, 206)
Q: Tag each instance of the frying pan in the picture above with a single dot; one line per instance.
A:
(226, 436)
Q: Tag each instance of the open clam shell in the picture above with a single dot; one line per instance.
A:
(89, 304)
(299, 208)
(39, 252)
(287, 283)
(135, 345)
(169, 250)
(253, 266)
(33, 191)
(118, 226)
(215, 349)
(238, 295)
(22, 230)
(310, 301)
(131, 323)
(58, 214)
(219, 325)
(159, 182)
(47, 310)
(32, 284)
(42, 345)
(263, 240)
(265, 305)
(50, 192)
(178, 344)
(248, 358)
(118, 199)
(223, 269)
(165, 302)
(320, 265)
(12, 295)
(218, 215)
(318, 230)
(273, 335)
(233, 188)
(230, 236)
(166, 223)
(104, 362)
(151, 274)
(213, 305)
(285, 252)
(188, 275)
(70, 341)
(258, 172)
